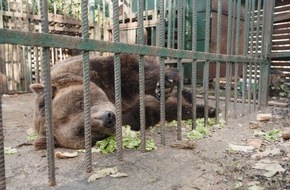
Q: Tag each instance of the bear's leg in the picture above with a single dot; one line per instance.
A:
(40, 143)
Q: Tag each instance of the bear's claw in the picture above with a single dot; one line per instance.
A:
(169, 85)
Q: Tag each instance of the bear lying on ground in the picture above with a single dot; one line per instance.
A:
(67, 99)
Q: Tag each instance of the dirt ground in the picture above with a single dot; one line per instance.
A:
(210, 166)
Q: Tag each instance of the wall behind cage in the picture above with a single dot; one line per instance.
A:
(21, 65)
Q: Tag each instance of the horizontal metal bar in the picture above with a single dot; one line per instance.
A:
(279, 54)
(69, 42)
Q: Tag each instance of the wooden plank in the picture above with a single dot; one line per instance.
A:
(286, 42)
(281, 25)
(279, 37)
(287, 48)
(281, 64)
(282, 17)
(282, 31)
(3, 72)
(285, 7)
(282, 69)
(134, 25)
(52, 29)
(36, 65)
(52, 19)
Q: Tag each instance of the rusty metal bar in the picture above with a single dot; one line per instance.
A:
(47, 96)
(2, 157)
(86, 89)
(233, 29)
(180, 68)
(140, 36)
(206, 65)
(51, 40)
(193, 79)
(162, 76)
(262, 55)
(256, 54)
(169, 28)
(117, 73)
(237, 52)
(218, 50)
(245, 52)
(251, 54)
(228, 64)
(268, 16)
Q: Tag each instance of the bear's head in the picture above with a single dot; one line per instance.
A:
(68, 112)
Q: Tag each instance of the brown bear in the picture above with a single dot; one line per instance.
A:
(67, 99)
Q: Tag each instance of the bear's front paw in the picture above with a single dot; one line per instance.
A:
(171, 79)
(169, 85)
(40, 143)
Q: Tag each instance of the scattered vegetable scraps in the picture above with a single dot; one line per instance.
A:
(131, 140)
(10, 150)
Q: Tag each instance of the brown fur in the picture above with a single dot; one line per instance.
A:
(67, 112)
(67, 102)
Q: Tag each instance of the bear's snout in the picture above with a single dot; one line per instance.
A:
(109, 119)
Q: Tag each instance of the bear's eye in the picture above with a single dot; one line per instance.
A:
(81, 132)
(81, 105)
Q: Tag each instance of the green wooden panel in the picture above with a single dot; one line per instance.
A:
(150, 5)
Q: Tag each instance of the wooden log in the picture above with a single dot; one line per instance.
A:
(264, 117)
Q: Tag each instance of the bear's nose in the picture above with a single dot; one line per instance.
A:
(109, 119)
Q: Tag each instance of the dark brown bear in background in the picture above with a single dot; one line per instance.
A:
(67, 99)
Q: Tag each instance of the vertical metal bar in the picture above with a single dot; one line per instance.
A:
(141, 75)
(162, 75)
(233, 29)
(256, 54)
(123, 12)
(2, 157)
(104, 11)
(206, 65)
(19, 70)
(146, 9)
(268, 17)
(262, 66)
(155, 10)
(251, 54)
(193, 79)
(218, 51)
(237, 53)
(87, 92)
(117, 72)
(36, 57)
(47, 95)
(174, 25)
(92, 18)
(245, 52)
(13, 81)
(165, 6)
(228, 64)
(169, 28)
(180, 69)
(184, 15)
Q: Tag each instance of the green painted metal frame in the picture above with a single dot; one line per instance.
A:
(57, 41)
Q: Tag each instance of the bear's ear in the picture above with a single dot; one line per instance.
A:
(37, 88)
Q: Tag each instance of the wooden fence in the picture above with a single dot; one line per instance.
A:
(21, 65)
(281, 39)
